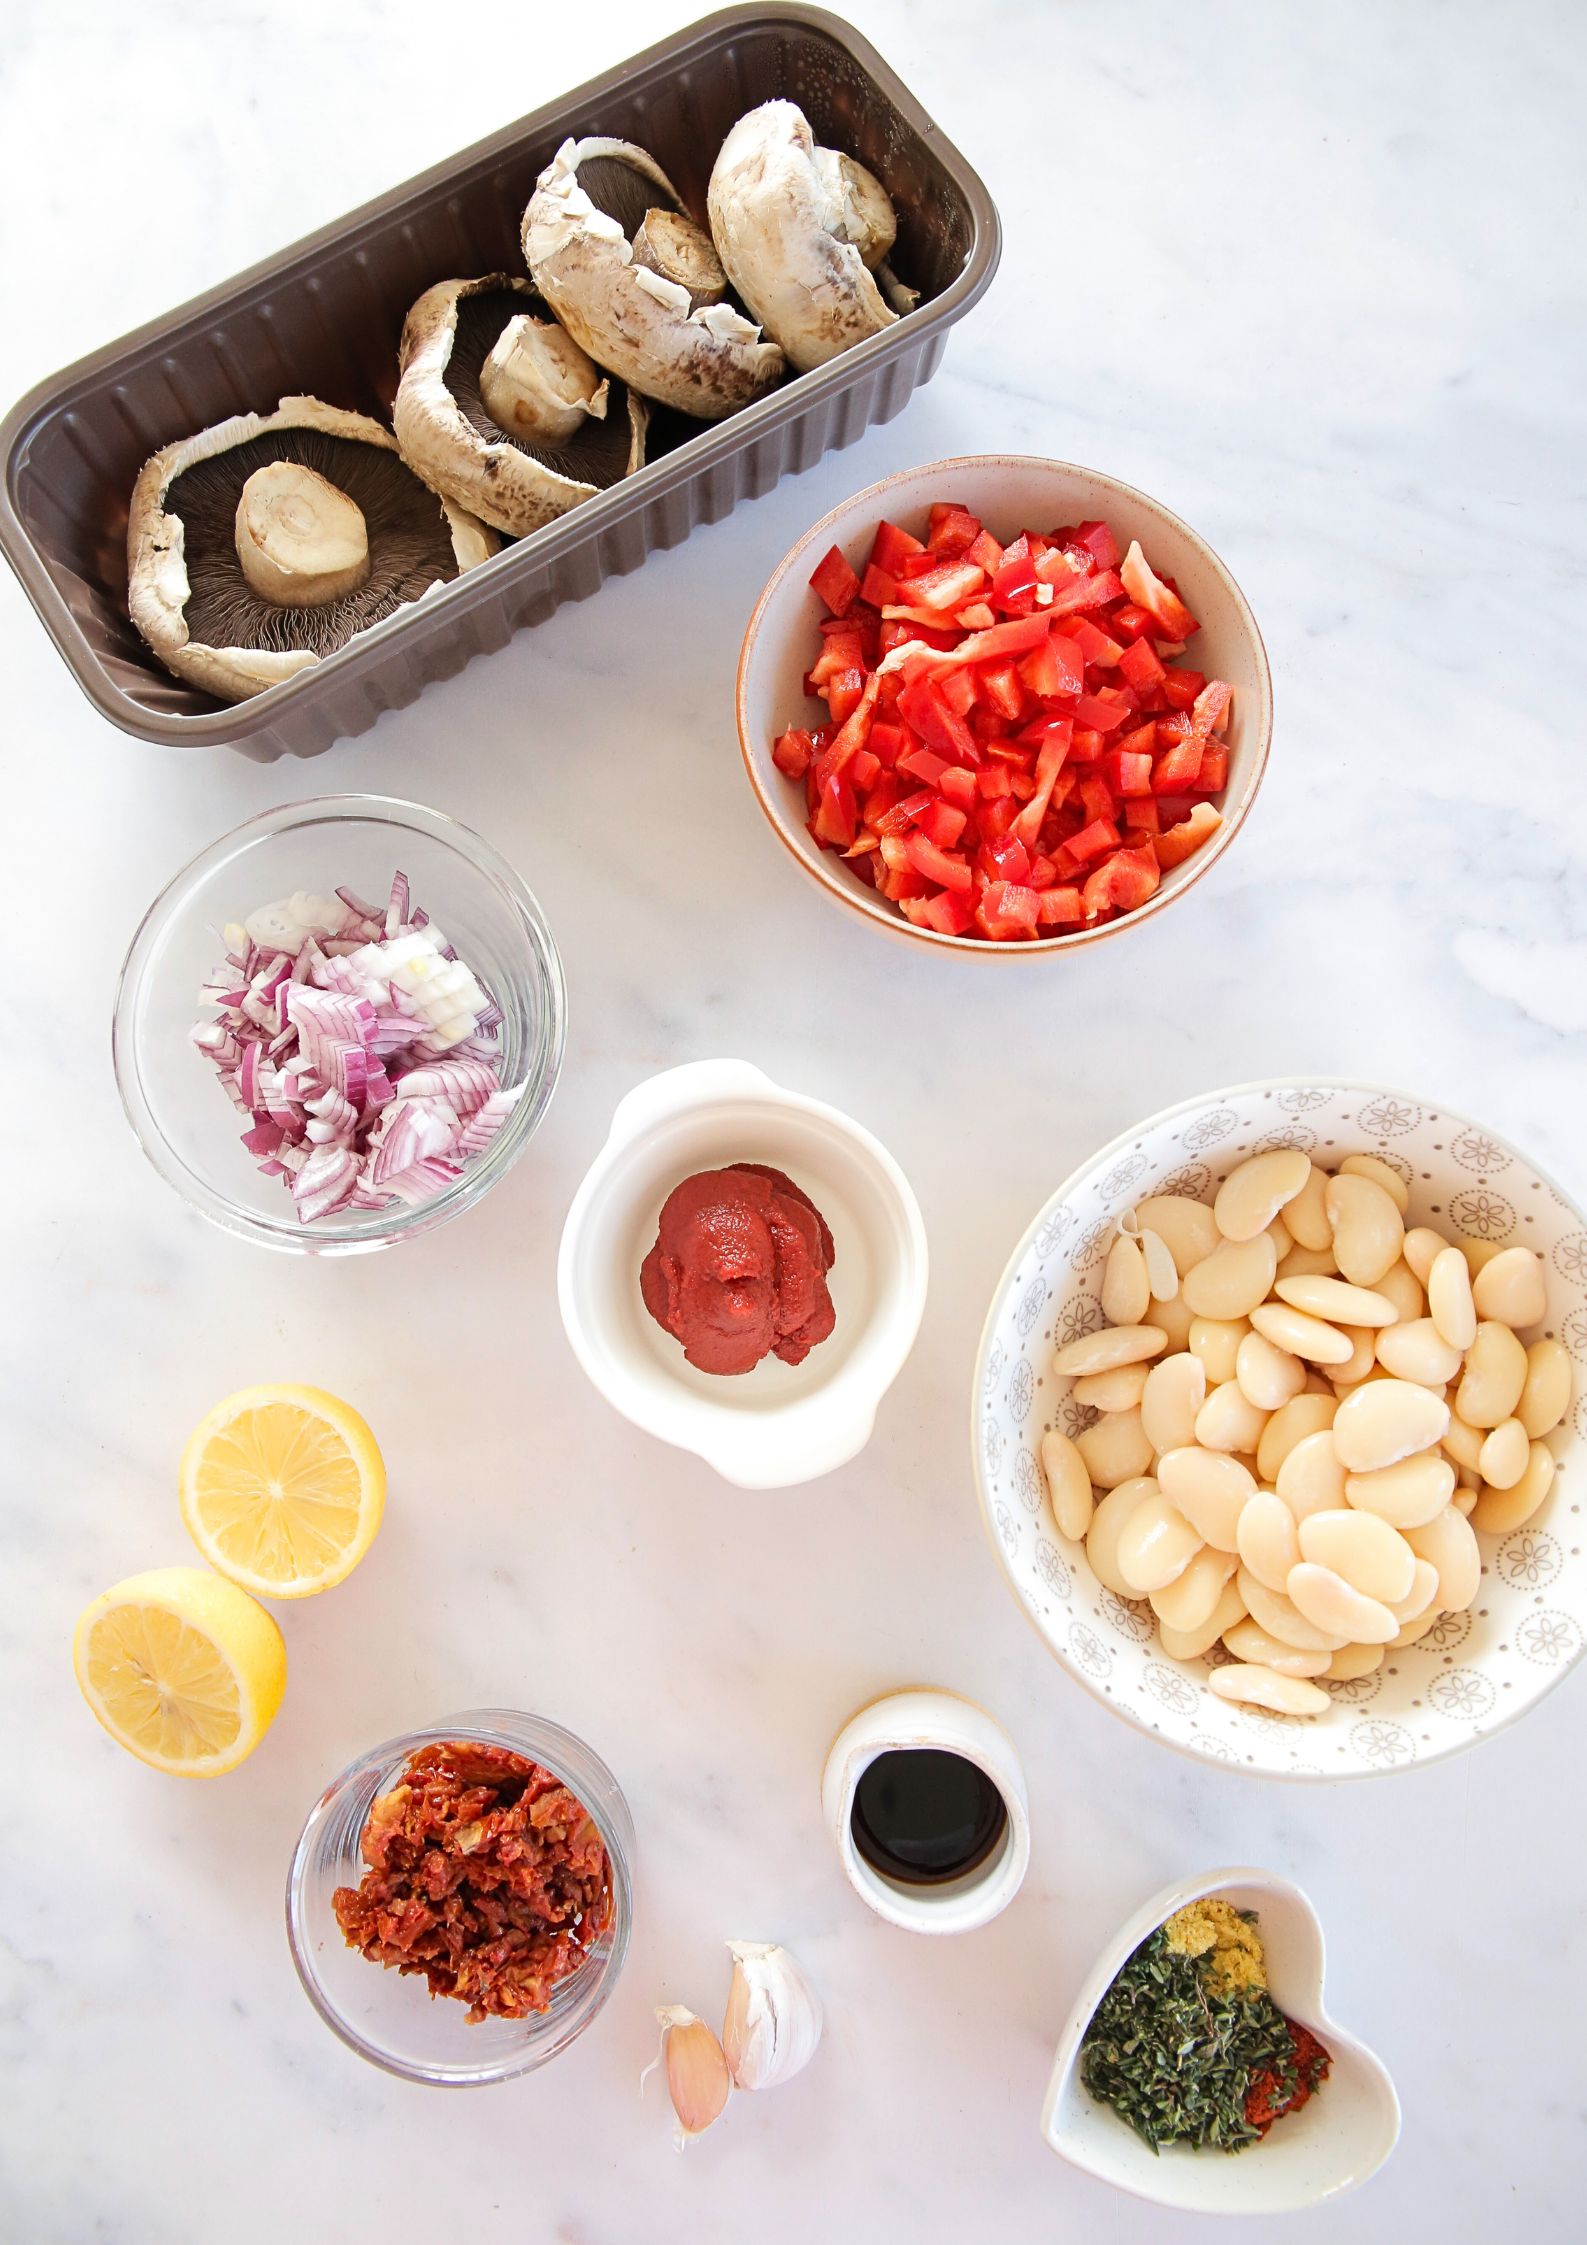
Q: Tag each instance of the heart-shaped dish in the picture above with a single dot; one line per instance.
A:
(1331, 2145)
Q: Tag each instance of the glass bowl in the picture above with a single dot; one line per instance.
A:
(390, 2017)
(173, 1099)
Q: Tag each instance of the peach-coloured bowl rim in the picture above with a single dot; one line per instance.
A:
(893, 922)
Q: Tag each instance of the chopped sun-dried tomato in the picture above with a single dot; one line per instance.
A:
(485, 1874)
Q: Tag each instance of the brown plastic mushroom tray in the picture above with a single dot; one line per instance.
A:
(324, 318)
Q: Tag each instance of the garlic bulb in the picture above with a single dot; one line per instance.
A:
(773, 2018)
(698, 2080)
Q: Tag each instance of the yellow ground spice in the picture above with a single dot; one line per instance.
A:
(1212, 1925)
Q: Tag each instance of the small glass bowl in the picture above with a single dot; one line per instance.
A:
(185, 1123)
(390, 2017)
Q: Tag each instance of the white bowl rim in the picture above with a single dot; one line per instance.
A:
(1156, 1910)
(713, 1080)
(1071, 1184)
(894, 923)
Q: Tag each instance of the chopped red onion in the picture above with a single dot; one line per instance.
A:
(363, 1051)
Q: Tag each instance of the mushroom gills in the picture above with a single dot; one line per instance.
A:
(299, 540)
(535, 382)
(410, 543)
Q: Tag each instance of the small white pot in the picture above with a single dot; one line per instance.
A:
(914, 1719)
(1331, 2145)
(779, 1424)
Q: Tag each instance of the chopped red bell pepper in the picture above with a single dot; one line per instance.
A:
(835, 582)
(892, 547)
(1141, 582)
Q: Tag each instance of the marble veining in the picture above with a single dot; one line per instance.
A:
(1304, 274)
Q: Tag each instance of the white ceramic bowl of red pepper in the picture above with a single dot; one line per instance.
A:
(1004, 704)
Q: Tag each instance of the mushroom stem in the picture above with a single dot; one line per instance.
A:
(536, 382)
(300, 541)
(669, 242)
(858, 207)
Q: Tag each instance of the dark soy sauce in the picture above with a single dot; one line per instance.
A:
(922, 1816)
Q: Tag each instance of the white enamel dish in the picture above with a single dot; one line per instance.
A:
(1332, 2145)
(1473, 1672)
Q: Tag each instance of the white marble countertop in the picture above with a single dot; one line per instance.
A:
(1313, 298)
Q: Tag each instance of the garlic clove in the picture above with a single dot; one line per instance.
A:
(773, 2020)
(698, 2080)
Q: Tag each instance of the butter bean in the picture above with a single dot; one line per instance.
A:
(1311, 1479)
(1464, 1499)
(1266, 1539)
(1423, 1246)
(1156, 1545)
(1401, 1286)
(1068, 1485)
(1268, 1376)
(1250, 1685)
(1215, 1344)
(1352, 1661)
(1174, 1319)
(1545, 1399)
(1336, 1300)
(1497, 1511)
(1190, 1644)
(1249, 1642)
(1193, 1597)
(1210, 1489)
(1495, 1374)
(1369, 1165)
(1512, 1289)
(1299, 1334)
(1186, 1227)
(1329, 1603)
(1423, 1590)
(1176, 1388)
(1367, 1227)
(1283, 1619)
(1162, 1274)
(1373, 1558)
(1115, 1449)
(1464, 1444)
(1479, 1252)
(1412, 1631)
(1107, 1525)
(1504, 1455)
(1449, 1299)
(1229, 1420)
(1126, 1290)
(1418, 1351)
(1255, 1190)
(1358, 1365)
(1308, 1262)
(1118, 1390)
(1406, 1495)
(1291, 1423)
(1383, 1421)
(1231, 1281)
(1105, 1351)
(1307, 1215)
(1447, 1541)
(1278, 1233)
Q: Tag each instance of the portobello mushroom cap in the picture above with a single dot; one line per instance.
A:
(264, 543)
(649, 315)
(798, 229)
(500, 410)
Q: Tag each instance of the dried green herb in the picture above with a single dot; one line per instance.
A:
(1176, 2059)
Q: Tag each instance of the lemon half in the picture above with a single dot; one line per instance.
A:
(283, 1489)
(182, 1668)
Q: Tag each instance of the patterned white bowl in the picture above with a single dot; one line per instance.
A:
(1473, 1672)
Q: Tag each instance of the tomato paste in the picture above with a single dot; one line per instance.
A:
(739, 1269)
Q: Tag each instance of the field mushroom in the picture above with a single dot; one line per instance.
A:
(636, 282)
(262, 544)
(499, 409)
(799, 230)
